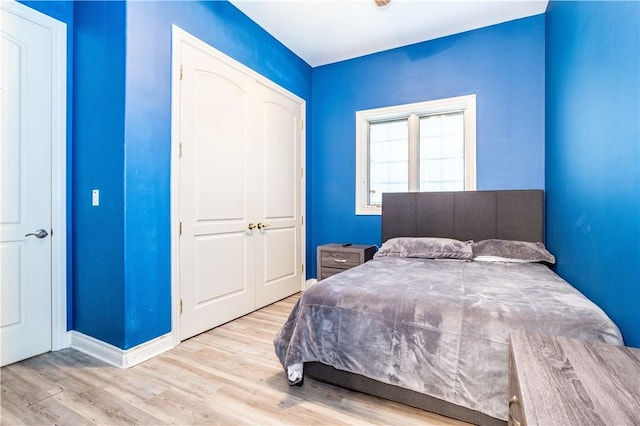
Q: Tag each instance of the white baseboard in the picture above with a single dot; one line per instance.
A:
(309, 283)
(119, 357)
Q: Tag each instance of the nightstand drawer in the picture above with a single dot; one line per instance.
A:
(339, 260)
(327, 272)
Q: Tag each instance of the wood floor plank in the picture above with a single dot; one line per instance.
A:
(26, 385)
(14, 413)
(226, 376)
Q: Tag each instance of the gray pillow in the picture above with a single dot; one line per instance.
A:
(511, 251)
(427, 248)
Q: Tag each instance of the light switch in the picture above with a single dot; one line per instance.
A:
(95, 197)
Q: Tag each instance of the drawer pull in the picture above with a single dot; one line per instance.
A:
(512, 420)
(340, 260)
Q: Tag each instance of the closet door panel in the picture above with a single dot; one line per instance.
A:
(280, 255)
(221, 145)
(227, 249)
(280, 165)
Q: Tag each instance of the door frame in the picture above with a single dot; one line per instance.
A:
(178, 35)
(59, 338)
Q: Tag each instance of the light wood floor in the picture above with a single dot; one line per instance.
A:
(228, 375)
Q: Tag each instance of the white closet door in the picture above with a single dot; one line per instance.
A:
(217, 256)
(240, 190)
(279, 259)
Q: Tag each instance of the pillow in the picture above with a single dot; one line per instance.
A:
(427, 248)
(511, 251)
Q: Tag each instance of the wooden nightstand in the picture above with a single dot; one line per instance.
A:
(560, 381)
(334, 258)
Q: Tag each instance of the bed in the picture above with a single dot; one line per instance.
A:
(426, 322)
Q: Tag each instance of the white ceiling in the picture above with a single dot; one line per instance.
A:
(327, 31)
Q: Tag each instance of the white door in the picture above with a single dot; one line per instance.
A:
(25, 160)
(240, 200)
(279, 259)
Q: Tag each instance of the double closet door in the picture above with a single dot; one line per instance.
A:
(240, 191)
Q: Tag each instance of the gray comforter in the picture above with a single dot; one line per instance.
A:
(439, 327)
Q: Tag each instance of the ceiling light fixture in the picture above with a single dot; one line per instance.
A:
(381, 3)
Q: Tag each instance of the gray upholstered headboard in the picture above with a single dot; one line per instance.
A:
(470, 215)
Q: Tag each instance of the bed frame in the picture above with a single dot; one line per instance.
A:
(478, 215)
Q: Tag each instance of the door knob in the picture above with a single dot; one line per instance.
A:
(40, 233)
(262, 225)
(251, 226)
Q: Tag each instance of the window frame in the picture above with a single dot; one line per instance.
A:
(412, 112)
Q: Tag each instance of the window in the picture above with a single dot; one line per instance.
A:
(427, 146)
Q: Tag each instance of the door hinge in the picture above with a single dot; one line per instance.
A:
(180, 305)
(302, 268)
(301, 172)
(180, 72)
(180, 229)
(301, 124)
(301, 220)
(180, 150)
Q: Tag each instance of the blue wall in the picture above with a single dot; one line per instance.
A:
(593, 153)
(98, 151)
(502, 64)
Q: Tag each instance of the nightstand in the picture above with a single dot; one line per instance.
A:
(334, 258)
(561, 381)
